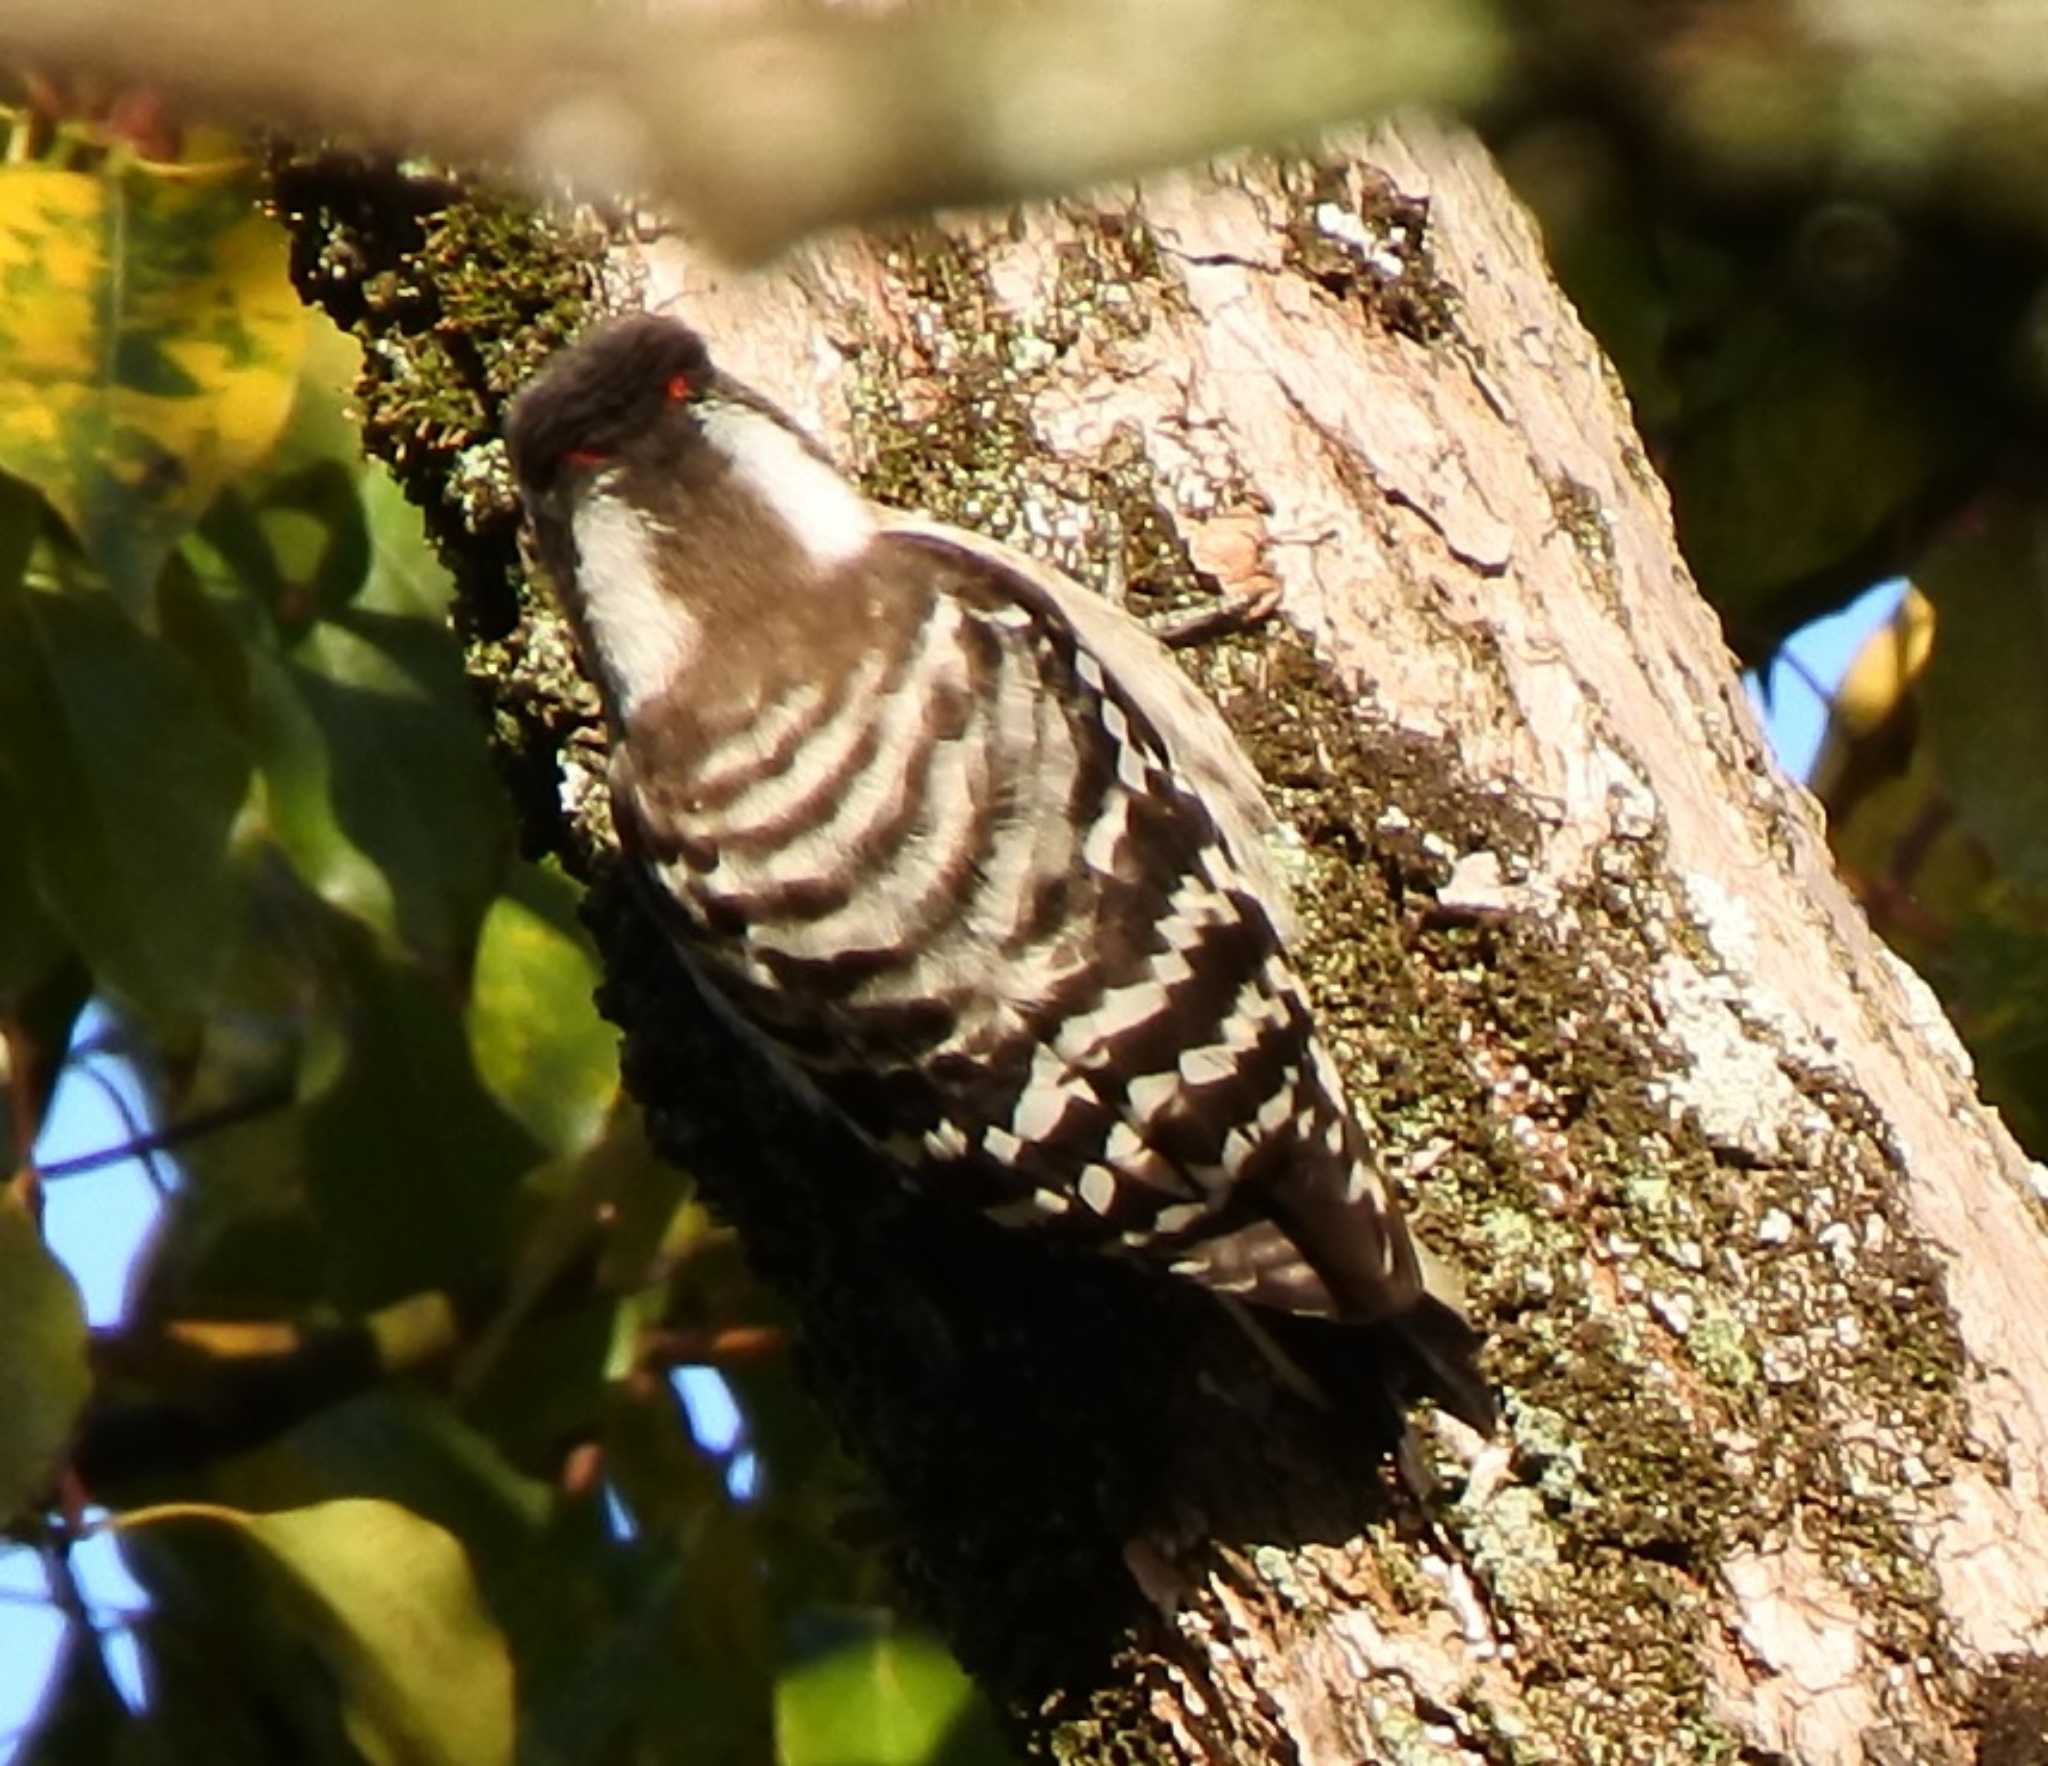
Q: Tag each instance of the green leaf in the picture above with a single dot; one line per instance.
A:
(149, 347)
(541, 1048)
(589, 1619)
(129, 784)
(409, 781)
(222, 1662)
(300, 544)
(867, 1694)
(31, 942)
(377, 786)
(388, 1602)
(406, 574)
(44, 1380)
(411, 1165)
(299, 796)
(295, 535)
(576, 1713)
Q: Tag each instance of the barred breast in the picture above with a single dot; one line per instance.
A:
(970, 887)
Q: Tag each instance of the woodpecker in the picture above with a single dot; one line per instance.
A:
(960, 845)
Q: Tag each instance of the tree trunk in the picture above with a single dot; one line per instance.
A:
(1763, 1279)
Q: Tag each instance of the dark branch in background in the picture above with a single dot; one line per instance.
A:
(119, 1040)
(143, 1144)
(137, 1141)
(68, 1599)
(186, 1393)
(231, 1399)
(726, 1346)
(1822, 692)
(136, 1146)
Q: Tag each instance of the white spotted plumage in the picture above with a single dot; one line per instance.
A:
(963, 847)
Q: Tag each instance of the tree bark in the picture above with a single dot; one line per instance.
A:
(1763, 1279)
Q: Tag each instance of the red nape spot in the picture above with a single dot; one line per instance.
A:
(678, 387)
(582, 457)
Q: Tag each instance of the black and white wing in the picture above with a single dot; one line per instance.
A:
(1001, 891)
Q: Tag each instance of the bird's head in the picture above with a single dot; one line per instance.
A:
(635, 413)
(678, 512)
(629, 394)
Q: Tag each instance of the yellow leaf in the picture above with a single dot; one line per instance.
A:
(149, 347)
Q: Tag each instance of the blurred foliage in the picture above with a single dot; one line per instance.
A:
(858, 1671)
(405, 1337)
(386, 1603)
(43, 1376)
(149, 344)
(1823, 379)
(1844, 380)
(1933, 780)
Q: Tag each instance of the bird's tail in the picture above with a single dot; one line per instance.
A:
(1438, 1352)
(1426, 1351)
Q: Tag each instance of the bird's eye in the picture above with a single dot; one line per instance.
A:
(678, 388)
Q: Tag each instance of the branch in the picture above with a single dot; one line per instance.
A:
(761, 128)
(172, 1135)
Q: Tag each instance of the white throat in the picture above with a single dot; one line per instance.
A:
(643, 634)
(824, 514)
